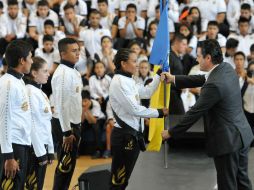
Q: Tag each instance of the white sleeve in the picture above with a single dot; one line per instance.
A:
(109, 111)
(38, 145)
(173, 12)
(63, 99)
(93, 87)
(141, 24)
(21, 28)
(61, 12)
(144, 5)
(193, 42)
(3, 28)
(232, 12)
(145, 92)
(50, 144)
(5, 114)
(94, 4)
(83, 8)
(121, 23)
(221, 7)
(96, 111)
(32, 20)
(130, 104)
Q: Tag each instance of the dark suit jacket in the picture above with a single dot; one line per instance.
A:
(226, 127)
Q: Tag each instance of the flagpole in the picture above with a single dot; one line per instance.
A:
(165, 118)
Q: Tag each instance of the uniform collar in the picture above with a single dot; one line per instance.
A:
(126, 74)
(35, 84)
(67, 63)
(15, 73)
(100, 78)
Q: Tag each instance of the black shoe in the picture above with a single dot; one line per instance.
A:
(96, 155)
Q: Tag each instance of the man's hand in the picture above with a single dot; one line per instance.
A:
(165, 135)
(168, 77)
(11, 167)
(68, 143)
(165, 111)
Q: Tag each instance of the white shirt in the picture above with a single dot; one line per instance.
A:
(96, 110)
(15, 113)
(124, 97)
(41, 126)
(36, 21)
(92, 39)
(15, 26)
(130, 34)
(50, 58)
(210, 8)
(140, 4)
(112, 5)
(220, 39)
(248, 99)
(99, 87)
(69, 28)
(80, 8)
(244, 42)
(193, 44)
(66, 89)
(229, 60)
(107, 21)
(81, 65)
(58, 36)
(233, 11)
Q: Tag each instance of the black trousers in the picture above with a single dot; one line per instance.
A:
(21, 153)
(66, 160)
(125, 151)
(35, 173)
(232, 171)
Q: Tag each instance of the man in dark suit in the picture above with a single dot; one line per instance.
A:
(227, 131)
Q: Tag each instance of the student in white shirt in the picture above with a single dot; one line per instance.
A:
(245, 39)
(131, 26)
(37, 19)
(12, 25)
(113, 6)
(49, 53)
(71, 22)
(49, 29)
(141, 6)
(28, 7)
(124, 97)
(107, 17)
(79, 6)
(42, 150)
(15, 117)
(93, 34)
(213, 33)
(66, 86)
(94, 118)
(239, 60)
(231, 47)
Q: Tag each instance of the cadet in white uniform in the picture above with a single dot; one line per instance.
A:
(42, 151)
(66, 87)
(15, 116)
(124, 97)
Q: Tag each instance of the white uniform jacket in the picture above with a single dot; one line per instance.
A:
(66, 87)
(41, 115)
(15, 114)
(125, 95)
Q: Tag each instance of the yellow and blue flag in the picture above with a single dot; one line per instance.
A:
(159, 58)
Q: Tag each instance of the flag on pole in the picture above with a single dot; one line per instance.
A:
(159, 58)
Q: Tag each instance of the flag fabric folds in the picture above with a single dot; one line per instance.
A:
(159, 57)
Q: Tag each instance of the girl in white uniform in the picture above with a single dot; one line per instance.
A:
(42, 151)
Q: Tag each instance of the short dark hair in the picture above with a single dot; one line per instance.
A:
(122, 54)
(243, 20)
(62, 44)
(157, 7)
(47, 38)
(232, 43)
(131, 5)
(17, 50)
(96, 12)
(239, 53)
(43, 3)
(212, 47)
(178, 37)
(68, 6)
(102, 1)
(134, 42)
(246, 6)
(103, 37)
(213, 23)
(49, 22)
(85, 94)
(12, 2)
